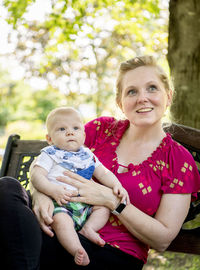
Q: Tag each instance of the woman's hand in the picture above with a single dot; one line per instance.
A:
(43, 209)
(90, 192)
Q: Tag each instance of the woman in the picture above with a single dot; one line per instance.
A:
(159, 175)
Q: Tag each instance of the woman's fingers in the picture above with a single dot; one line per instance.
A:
(75, 176)
(66, 180)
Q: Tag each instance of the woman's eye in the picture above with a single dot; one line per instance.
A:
(152, 88)
(131, 92)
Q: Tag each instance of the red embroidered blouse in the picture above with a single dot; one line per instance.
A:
(169, 169)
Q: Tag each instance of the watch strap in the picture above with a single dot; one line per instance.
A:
(119, 209)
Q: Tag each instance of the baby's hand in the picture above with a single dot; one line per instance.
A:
(121, 193)
(60, 194)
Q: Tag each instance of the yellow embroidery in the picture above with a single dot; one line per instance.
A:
(113, 143)
(186, 165)
(97, 122)
(92, 149)
(134, 173)
(183, 169)
(149, 189)
(154, 168)
(114, 222)
(145, 190)
(175, 181)
(162, 163)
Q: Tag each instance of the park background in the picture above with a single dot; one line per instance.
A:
(56, 53)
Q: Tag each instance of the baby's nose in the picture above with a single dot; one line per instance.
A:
(69, 132)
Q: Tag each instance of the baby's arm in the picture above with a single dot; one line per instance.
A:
(40, 181)
(107, 178)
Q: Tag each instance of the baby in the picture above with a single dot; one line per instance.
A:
(66, 138)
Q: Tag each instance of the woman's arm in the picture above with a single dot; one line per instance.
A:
(157, 232)
(43, 209)
(107, 178)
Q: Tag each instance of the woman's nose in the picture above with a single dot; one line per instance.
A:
(142, 96)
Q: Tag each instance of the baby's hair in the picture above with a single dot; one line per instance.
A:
(61, 111)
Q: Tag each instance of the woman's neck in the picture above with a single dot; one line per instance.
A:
(145, 134)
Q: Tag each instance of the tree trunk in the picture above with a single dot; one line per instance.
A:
(184, 60)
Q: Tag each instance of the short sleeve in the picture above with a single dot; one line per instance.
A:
(181, 174)
(95, 130)
(44, 161)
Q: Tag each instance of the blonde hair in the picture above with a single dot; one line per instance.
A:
(134, 63)
(60, 111)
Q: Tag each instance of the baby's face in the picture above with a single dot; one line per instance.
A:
(67, 132)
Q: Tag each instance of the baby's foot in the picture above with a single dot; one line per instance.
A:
(81, 257)
(92, 236)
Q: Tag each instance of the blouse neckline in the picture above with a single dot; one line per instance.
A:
(149, 160)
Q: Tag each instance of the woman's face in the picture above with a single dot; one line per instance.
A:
(144, 98)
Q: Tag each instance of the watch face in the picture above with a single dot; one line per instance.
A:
(119, 209)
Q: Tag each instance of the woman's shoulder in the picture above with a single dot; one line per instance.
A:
(178, 150)
(102, 128)
(179, 170)
(106, 122)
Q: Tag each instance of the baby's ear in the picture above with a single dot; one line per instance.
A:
(48, 138)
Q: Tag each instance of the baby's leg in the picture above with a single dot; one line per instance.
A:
(95, 222)
(64, 228)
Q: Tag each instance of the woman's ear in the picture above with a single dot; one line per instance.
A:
(169, 97)
(48, 138)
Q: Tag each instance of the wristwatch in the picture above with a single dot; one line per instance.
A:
(119, 208)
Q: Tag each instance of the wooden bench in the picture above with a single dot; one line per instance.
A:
(19, 154)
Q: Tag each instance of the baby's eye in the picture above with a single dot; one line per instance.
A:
(76, 128)
(62, 129)
(131, 92)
